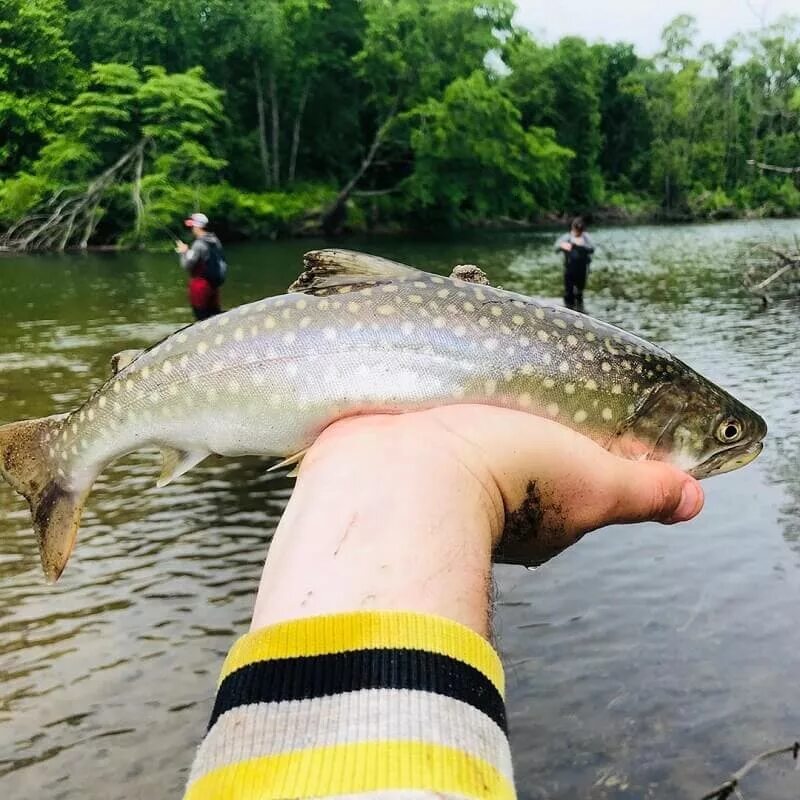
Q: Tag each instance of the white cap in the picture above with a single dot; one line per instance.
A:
(196, 221)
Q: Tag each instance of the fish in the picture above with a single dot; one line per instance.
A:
(359, 334)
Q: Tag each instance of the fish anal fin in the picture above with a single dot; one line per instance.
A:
(122, 359)
(294, 459)
(175, 463)
(327, 270)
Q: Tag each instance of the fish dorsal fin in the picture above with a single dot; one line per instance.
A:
(325, 271)
(122, 359)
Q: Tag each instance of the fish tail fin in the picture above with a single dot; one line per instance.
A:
(26, 464)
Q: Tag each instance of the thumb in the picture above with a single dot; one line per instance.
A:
(653, 490)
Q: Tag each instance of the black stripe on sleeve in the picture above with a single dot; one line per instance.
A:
(308, 677)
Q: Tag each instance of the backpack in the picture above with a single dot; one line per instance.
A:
(215, 269)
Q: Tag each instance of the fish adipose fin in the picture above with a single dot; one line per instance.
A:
(175, 463)
(327, 270)
(56, 509)
(122, 359)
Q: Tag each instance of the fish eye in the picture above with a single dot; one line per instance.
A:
(729, 431)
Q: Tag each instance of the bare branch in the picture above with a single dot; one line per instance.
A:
(772, 167)
(731, 786)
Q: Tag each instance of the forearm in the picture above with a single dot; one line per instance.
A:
(367, 669)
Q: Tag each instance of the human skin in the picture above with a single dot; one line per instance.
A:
(403, 513)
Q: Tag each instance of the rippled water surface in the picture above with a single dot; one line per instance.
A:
(645, 662)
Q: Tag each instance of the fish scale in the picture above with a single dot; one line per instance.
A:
(355, 335)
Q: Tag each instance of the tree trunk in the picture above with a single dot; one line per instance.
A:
(301, 107)
(276, 130)
(262, 125)
(336, 208)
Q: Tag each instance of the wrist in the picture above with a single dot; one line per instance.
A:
(380, 520)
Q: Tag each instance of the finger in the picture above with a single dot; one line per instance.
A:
(652, 490)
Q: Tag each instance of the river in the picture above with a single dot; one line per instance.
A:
(644, 662)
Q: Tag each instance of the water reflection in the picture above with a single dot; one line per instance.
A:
(637, 661)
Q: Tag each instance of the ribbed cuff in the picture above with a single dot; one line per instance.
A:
(370, 702)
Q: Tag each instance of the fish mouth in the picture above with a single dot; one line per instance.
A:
(727, 460)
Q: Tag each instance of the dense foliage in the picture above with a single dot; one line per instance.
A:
(274, 115)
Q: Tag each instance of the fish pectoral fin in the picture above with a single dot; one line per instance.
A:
(288, 461)
(175, 463)
(327, 270)
(122, 359)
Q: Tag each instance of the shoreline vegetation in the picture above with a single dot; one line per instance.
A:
(283, 118)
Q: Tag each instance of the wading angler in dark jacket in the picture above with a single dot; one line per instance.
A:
(205, 263)
(577, 248)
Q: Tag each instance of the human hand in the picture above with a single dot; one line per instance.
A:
(181, 247)
(566, 246)
(404, 511)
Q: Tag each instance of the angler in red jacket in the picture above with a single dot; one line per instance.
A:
(205, 263)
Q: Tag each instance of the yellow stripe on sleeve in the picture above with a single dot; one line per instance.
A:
(339, 633)
(355, 768)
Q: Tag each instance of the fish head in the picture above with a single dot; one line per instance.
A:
(695, 425)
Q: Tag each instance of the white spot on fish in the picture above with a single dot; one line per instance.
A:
(578, 324)
(490, 344)
(202, 348)
(571, 340)
(89, 416)
(569, 388)
(552, 409)
(607, 414)
(345, 289)
(420, 284)
(591, 385)
(116, 388)
(439, 322)
(496, 311)
(590, 337)
(563, 367)
(238, 334)
(616, 389)
(386, 310)
(173, 390)
(483, 322)
(222, 321)
(518, 319)
(525, 400)
(301, 304)
(631, 408)
(526, 369)
(588, 355)
(469, 306)
(605, 366)
(182, 337)
(490, 387)
(414, 298)
(548, 383)
(443, 293)
(459, 330)
(539, 313)
(508, 376)
(154, 397)
(269, 323)
(542, 336)
(101, 401)
(580, 416)
(146, 373)
(305, 322)
(353, 308)
(559, 323)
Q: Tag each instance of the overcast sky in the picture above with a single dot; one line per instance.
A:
(641, 21)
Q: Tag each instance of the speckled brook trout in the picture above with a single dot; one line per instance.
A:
(358, 334)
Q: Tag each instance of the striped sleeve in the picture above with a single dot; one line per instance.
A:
(382, 705)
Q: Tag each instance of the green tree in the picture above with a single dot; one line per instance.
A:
(473, 160)
(37, 72)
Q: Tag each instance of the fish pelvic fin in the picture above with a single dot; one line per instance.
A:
(327, 270)
(56, 509)
(294, 460)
